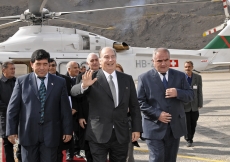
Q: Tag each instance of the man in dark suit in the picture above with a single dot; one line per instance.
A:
(192, 108)
(52, 70)
(73, 70)
(110, 94)
(7, 82)
(83, 109)
(38, 110)
(161, 94)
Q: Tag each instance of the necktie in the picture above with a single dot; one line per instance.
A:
(113, 90)
(165, 82)
(42, 97)
(73, 81)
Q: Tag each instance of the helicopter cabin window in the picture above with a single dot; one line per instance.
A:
(20, 69)
(86, 43)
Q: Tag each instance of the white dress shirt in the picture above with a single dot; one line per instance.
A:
(114, 74)
(166, 76)
(39, 80)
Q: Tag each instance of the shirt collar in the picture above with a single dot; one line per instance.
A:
(45, 75)
(107, 74)
(188, 76)
(166, 73)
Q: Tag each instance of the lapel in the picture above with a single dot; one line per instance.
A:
(50, 84)
(121, 86)
(193, 79)
(170, 78)
(101, 79)
(156, 79)
(33, 83)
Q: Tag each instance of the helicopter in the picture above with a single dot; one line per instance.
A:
(68, 44)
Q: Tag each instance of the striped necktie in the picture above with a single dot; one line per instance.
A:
(42, 97)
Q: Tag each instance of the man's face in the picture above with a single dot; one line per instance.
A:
(93, 63)
(161, 61)
(40, 67)
(83, 69)
(52, 67)
(188, 68)
(73, 70)
(9, 72)
(108, 60)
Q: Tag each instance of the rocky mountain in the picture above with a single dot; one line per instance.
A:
(177, 26)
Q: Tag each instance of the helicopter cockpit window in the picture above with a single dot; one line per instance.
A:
(86, 43)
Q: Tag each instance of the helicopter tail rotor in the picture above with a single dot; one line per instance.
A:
(213, 30)
(226, 3)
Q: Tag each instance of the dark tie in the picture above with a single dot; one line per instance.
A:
(73, 81)
(113, 90)
(165, 82)
(42, 97)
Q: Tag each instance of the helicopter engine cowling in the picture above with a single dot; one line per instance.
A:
(119, 46)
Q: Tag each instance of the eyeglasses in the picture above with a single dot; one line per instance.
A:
(52, 65)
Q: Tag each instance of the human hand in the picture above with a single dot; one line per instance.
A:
(66, 138)
(73, 111)
(170, 92)
(87, 79)
(82, 123)
(13, 138)
(135, 136)
(165, 117)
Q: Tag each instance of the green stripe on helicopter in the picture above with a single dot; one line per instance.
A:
(219, 42)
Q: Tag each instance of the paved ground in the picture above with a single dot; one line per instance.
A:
(212, 138)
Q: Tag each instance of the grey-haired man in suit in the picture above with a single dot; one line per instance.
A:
(192, 108)
(161, 94)
(110, 93)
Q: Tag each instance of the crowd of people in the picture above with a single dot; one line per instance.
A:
(97, 109)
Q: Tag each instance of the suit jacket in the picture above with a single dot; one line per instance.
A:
(68, 82)
(74, 100)
(151, 96)
(196, 85)
(23, 111)
(6, 89)
(103, 115)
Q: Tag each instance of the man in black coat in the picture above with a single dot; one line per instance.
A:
(83, 109)
(7, 82)
(52, 70)
(73, 70)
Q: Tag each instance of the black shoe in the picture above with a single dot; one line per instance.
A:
(68, 158)
(189, 144)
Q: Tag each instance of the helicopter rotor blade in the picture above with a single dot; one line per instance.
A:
(36, 6)
(43, 5)
(213, 30)
(9, 24)
(115, 8)
(84, 24)
(10, 17)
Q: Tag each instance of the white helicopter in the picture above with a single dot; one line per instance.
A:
(67, 44)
